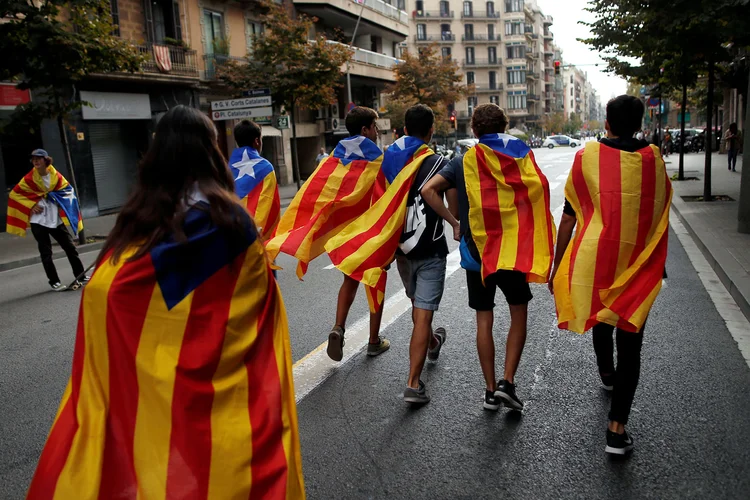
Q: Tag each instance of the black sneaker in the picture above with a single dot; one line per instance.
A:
(507, 392)
(441, 335)
(608, 381)
(417, 396)
(492, 401)
(618, 444)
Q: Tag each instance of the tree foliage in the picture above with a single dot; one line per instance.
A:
(554, 123)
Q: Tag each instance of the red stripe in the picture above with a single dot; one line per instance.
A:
(128, 301)
(268, 465)
(14, 204)
(587, 208)
(490, 214)
(59, 182)
(547, 214)
(16, 222)
(190, 440)
(524, 210)
(316, 185)
(57, 449)
(253, 198)
(610, 203)
(29, 195)
(274, 214)
(648, 194)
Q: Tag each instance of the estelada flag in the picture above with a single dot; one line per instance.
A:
(612, 271)
(256, 186)
(509, 208)
(181, 384)
(367, 245)
(30, 190)
(338, 191)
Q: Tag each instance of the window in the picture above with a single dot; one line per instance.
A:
(419, 6)
(469, 31)
(472, 101)
(492, 54)
(401, 4)
(115, 11)
(571, 91)
(214, 28)
(513, 5)
(468, 9)
(516, 51)
(446, 52)
(516, 75)
(495, 99)
(163, 18)
(254, 30)
(490, 32)
(517, 100)
(493, 80)
(445, 31)
(571, 104)
(571, 78)
(469, 78)
(514, 28)
(490, 9)
(421, 32)
(444, 9)
(470, 55)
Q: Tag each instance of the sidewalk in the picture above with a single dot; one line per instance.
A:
(713, 225)
(19, 252)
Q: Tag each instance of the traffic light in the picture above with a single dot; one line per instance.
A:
(557, 68)
(453, 121)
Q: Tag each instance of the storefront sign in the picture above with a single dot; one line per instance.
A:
(115, 106)
(245, 102)
(10, 96)
(239, 114)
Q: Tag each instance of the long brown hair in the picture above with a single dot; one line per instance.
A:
(184, 153)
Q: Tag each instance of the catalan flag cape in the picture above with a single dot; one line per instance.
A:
(368, 244)
(338, 191)
(612, 271)
(509, 208)
(181, 384)
(255, 185)
(30, 190)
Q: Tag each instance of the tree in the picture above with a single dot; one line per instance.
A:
(301, 73)
(50, 46)
(554, 123)
(574, 124)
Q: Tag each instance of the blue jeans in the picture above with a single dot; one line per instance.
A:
(424, 280)
(732, 157)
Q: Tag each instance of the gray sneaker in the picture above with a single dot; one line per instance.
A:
(442, 335)
(58, 287)
(416, 396)
(379, 348)
(336, 343)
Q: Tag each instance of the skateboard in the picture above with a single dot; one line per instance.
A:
(76, 284)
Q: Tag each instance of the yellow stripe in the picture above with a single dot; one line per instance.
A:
(231, 433)
(543, 252)
(81, 476)
(286, 224)
(65, 397)
(156, 362)
(474, 194)
(631, 179)
(15, 230)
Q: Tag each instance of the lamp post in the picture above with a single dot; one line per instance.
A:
(351, 44)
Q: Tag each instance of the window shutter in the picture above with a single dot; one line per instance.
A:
(177, 24)
(148, 15)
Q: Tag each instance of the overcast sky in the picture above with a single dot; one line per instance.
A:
(566, 29)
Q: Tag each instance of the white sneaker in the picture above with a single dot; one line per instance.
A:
(58, 287)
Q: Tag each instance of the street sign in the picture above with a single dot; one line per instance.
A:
(238, 114)
(282, 122)
(245, 102)
(256, 92)
(263, 120)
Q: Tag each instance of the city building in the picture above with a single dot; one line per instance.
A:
(574, 84)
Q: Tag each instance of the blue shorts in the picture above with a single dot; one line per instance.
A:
(424, 280)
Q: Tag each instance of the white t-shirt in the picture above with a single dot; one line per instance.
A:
(50, 215)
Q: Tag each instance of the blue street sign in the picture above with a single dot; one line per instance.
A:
(256, 92)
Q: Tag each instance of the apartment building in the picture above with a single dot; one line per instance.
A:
(574, 84)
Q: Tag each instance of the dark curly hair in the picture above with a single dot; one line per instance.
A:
(488, 119)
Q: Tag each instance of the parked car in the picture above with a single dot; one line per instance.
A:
(555, 141)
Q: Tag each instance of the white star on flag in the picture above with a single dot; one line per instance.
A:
(352, 146)
(69, 195)
(401, 142)
(246, 166)
(506, 139)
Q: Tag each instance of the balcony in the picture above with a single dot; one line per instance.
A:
(530, 54)
(480, 38)
(548, 36)
(212, 62)
(530, 75)
(532, 36)
(516, 112)
(439, 39)
(182, 62)
(370, 64)
(482, 63)
(478, 14)
(532, 98)
(344, 13)
(432, 15)
(485, 88)
(547, 20)
(549, 52)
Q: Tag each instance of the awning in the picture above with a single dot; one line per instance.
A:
(269, 131)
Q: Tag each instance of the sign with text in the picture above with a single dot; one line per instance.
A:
(244, 102)
(282, 122)
(10, 96)
(239, 114)
(256, 92)
(115, 106)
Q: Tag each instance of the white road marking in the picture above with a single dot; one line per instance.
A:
(546, 167)
(562, 177)
(316, 366)
(736, 322)
(329, 266)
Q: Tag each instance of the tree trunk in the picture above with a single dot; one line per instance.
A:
(681, 171)
(743, 214)
(709, 131)
(295, 163)
(69, 161)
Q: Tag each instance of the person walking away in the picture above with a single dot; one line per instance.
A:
(499, 248)
(340, 190)
(182, 371)
(733, 141)
(611, 274)
(254, 178)
(322, 155)
(44, 201)
(667, 145)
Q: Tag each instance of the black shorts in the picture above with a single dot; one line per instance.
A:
(512, 283)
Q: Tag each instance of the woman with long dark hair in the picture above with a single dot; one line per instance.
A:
(181, 382)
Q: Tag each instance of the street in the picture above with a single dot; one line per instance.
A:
(359, 440)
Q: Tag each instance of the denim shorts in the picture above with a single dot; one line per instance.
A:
(424, 280)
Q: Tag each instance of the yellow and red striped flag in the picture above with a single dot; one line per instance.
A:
(509, 208)
(256, 186)
(368, 244)
(30, 190)
(612, 271)
(338, 191)
(181, 384)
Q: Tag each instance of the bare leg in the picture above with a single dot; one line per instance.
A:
(347, 293)
(375, 320)
(516, 340)
(420, 338)
(486, 347)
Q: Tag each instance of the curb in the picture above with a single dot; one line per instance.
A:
(739, 292)
(29, 261)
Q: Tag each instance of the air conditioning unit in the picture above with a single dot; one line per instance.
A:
(321, 115)
(333, 124)
(335, 110)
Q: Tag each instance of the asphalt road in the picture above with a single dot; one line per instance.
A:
(359, 440)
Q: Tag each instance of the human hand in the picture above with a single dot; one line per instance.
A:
(550, 283)
(37, 209)
(457, 232)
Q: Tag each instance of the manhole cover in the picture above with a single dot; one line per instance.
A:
(717, 197)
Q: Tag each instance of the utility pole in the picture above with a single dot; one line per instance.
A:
(351, 44)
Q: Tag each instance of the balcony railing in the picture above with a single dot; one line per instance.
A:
(182, 62)
(370, 57)
(548, 20)
(516, 111)
(530, 54)
(212, 62)
(532, 97)
(478, 14)
(482, 63)
(533, 36)
(444, 38)
(548, 35)
(530, 75)
(486, 88)
(435, 15)
(480, 38)
(387, 10)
